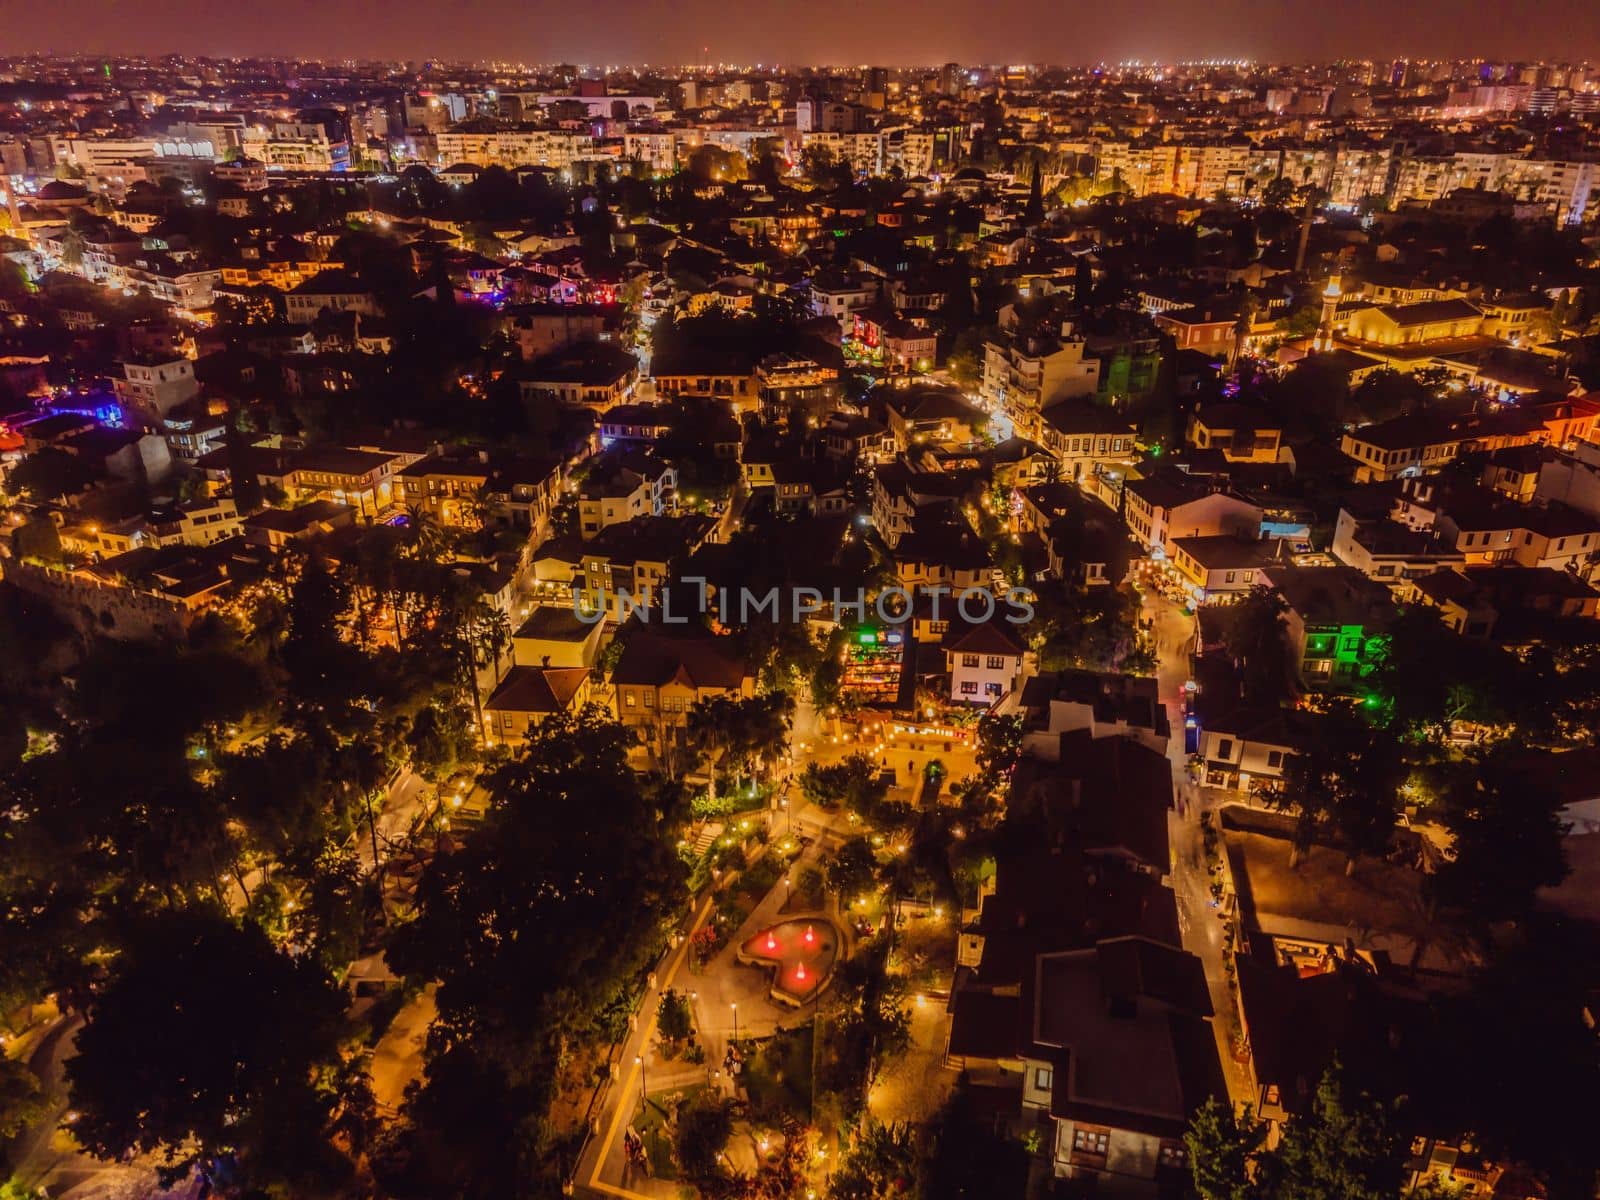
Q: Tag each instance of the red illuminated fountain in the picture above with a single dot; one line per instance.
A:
(800, 955)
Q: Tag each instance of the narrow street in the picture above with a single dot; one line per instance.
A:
(1198, 916)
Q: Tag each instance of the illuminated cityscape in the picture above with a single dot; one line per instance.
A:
(758, 629)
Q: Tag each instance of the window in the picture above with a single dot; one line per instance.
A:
(649, 699)
(1173, 1156)
(1249, 576)
(969, 687)
(969, 660)
(1091, 1141)
(1043, 1079)
(1229, 578)
(1225, 749)
(1274, 759)
(995, 662)
(993, 689)
(629, 699)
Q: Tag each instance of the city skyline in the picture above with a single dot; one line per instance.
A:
(895, 32)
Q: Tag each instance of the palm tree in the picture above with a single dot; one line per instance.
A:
(1241, 327)
(424, 537)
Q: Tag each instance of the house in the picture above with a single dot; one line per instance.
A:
(1171, 503)
(1205, 328)
(729, 376)
(900, 492)
(1419, 443)
(1504, 602)
(186, 523)
(791, 383)
(628, 565)
(803, 485)
(154, 386)
(1102, 704)
(1083, 539)
(984, 661)
(941, 550)
(660, 677)
(554, 636)
(838, 295)
(1219, 564)
(1531, 535)
(1337, 623)
(1388, 551)
(930, 413)
(1086, 437)
(277, 527)
(1244, 744)
(1242, 434)
(467, 487)
(529, 696)
(1026, 372)
(362, 479)
(593, 375)
(623, 485)
(852, 438)
(328, 292)
(635, 423)
(898, 343)
(541, 328)
(1094, 1012)
(1302, 1010)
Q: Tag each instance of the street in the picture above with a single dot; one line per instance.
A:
(1198, 916)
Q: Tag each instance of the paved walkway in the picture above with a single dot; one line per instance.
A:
(913, 1086)
(722, 996)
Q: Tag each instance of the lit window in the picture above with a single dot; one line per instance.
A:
(1091, 1141)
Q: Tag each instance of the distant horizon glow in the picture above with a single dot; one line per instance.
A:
(891, 32)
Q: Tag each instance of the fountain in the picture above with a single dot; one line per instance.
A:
(799, 954)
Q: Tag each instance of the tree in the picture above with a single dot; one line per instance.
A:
(704, 1127)
(999, 742)
(1344, 780)
(852, 870)
(881, 1163)
(207, 1041)
(538, 925)
(817, 161)
(1278, 192)
(326, 673)
(1345, 1148)
(1507, 845)
(1256, 637)
(1224, 1148)
(1430, 677)
(22, 1098)
(1386, 394)
(745, 730)
(1525, 1014)
(673, 1017)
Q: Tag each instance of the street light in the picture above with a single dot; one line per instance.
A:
(638, 1060)
(735, 1007)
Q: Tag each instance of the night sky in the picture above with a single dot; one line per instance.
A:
(880, 31)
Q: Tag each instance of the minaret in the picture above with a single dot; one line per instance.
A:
(1330, 305)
